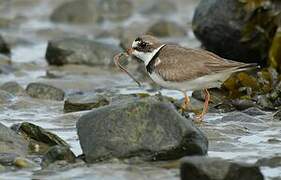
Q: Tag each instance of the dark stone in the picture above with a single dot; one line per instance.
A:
(270, 162)
(242, 104)
(164, 28)
(12, 143)
(40, 140)
(80, 51)
(254, 111)
(228, 28)
(206, 168)
(84, 102)
(146, 128)
(58, 153)
(240, 117)
(44, 91)
(13, 88)
(92, 11)
(4, 47)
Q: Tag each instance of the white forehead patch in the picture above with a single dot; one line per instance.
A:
(146, 56)
(135, 44)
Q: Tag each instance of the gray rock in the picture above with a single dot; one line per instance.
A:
(80, 51)
(164, 28)
(206, 168)
(146, 128)
(13, 88)
(254, 111)
(277, 115)
(270, 162)
(44, 91)
(40, 140)
(7, 159)
(264, 103)
(228, 29)
(84, 102)
(4, 47)
(163, 7)
(92, 11)
(12, 143)
(58, 153)
(240, 117)
(5, 97)
(242, 104)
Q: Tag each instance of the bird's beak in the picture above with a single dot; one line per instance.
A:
(130, 51)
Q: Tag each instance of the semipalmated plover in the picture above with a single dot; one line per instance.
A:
(184, 69)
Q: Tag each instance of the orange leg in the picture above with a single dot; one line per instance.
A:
(200, 117)
(185, 102)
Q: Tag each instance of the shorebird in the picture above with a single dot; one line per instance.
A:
(184, 69)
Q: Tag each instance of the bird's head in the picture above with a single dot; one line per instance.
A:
(145, 48)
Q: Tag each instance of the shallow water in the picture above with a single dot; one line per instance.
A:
(237, 141)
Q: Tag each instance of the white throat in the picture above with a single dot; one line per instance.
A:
(146, 57)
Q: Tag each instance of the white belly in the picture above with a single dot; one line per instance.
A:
(204, 82)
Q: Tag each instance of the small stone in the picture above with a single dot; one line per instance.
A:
(242, 104)
(254, 111)
(207, 168)
(240, 117)
(165, 28)
(277, 115)
(4, 47)
(84, 102)
(80, 51)
(58, 153)
(13, 88)
(264, 103)
(44, 91)
(24, 163)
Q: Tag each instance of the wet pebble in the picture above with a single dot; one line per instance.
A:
(146, 128)
(58, 153)
(254, 111)
(24, 163)
(44, 91)
(84, 102)
(240, 117)
(80, 51)
(203, 168)
(164, 28)
(13, 88)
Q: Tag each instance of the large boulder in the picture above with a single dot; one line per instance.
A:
(80, 51)
(206, 168)
(92, 11)
(238, 30)
(147, 128)
(12, 143)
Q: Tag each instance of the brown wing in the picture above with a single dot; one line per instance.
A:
(179, 63)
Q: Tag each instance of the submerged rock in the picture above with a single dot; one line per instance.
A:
(13, 88)
(4, 47)
(240, 117)
(80, 51)
(207, 168)
(254, 111)
(58, 153)
(92, 11)
(229, 28)
(164, 28)
(44, 91)
(84, 102)
(270, 162)
(12, 143)
(40, 140)
(146, 128)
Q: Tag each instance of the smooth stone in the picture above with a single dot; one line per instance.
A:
(147, 128)
(84, 102)
(40, 140)
(44, 91)
(164, 28)
(58, 153)
(242, 104)
(80, 51)
(12, 143)
(13, 87)
(272, 162)
(92, 11)
(222, 28)
(207, 168)
(23, 163)
(254, 111)
(240, 117)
